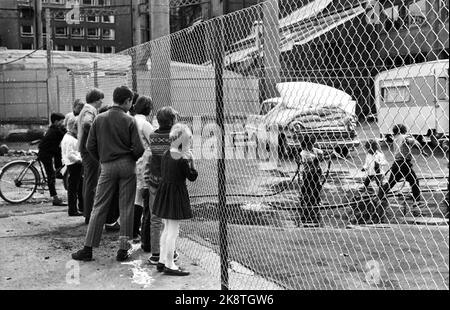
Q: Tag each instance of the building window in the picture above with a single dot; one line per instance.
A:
(26, 30)
(27, 46)
(59, 16)
(76, 48)
(104, 2)
(405, 15)
(417, 12)
(108, 49)
(26, 13)
(77, 32)
(93, 33)
(58, 1)
(109, 19)
(442, 88)
(108, 34)
(92, 18)
(91, 49)
(87, 2)
(60, 47)
(60, 32)
(397, 94)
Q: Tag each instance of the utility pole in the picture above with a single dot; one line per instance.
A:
(136, 23)
(50, 101)
(39, 41)
(271, 49)
(49, 42)
(159, 11)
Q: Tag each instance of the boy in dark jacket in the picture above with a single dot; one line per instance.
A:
(50, 150)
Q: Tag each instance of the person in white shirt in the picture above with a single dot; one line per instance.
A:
(142, 109)
(402, 167)
(374, 164)
(71, 158)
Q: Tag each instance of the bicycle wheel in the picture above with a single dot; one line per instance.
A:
(18, 182)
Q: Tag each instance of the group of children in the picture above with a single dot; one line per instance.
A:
(374, 167)
(162, 200)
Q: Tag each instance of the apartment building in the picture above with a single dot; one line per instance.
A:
(97, 30)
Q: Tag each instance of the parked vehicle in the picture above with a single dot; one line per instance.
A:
(417, 96)
(305, 108)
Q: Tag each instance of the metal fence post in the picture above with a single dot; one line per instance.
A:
(95, 74)
(223, 233)
(133, 70)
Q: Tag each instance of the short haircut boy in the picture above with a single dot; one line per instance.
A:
(166, 116)
(121, 94)
(94, 95)
(56, 117)
(144, 105)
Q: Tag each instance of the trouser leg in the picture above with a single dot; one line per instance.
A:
(91, 170)
(74, 171)
(127, 193)
(145, 229)
(137, 220)
(155, 223)
(80, 190)
(50, 171)
(113, 213)
(411, 178)
(102, 202)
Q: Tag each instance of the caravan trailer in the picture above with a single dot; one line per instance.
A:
(417, 96)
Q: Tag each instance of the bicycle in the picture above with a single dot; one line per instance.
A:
(19, 179)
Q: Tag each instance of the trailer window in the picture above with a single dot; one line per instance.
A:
(395, 94)
(442, 88)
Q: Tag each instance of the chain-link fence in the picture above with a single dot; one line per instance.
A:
(305, 181)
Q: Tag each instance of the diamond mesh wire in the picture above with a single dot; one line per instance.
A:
(305, 86)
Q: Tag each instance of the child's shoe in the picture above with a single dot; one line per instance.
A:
(58, 202)
(122, 255)
(154, 259)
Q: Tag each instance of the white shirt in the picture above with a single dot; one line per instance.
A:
(403, 145)
(371, 159)
(69, 150)
(144, 129)
(309, 157)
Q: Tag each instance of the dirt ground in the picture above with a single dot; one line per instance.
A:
(37, 240)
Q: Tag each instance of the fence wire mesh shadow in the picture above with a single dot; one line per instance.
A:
(288, 102)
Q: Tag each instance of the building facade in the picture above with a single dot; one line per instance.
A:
(97, 30)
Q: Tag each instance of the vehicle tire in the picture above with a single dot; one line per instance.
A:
(342, 150)
(14, 190)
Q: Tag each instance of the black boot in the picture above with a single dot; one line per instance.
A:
(84, 254)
